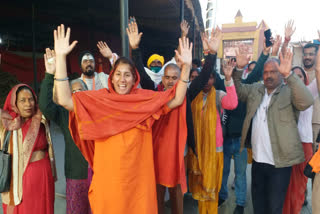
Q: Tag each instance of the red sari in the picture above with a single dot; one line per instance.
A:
(37, 195)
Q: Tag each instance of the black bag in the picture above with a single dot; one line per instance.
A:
(5, 165)
(308, 172)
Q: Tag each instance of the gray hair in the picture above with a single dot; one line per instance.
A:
(272, 60)
(173, 66)
(83, 84)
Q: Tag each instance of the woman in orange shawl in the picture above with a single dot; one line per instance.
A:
(33, 169)
(116, 126)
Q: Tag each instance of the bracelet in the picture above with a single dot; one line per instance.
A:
(205, 52)
(185, 81)
(64, 79)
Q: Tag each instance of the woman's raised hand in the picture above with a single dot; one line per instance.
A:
(61, 41)
(184, 54)
(228, 70)
(133, 33)
(50, 61)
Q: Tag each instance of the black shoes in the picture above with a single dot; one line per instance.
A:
(238, 210)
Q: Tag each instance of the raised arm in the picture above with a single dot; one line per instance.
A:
(211, 45)
(134, 40)
(185, 58)
(276, 46)
(289, 30)
(219, 82)
(243, 90)
(230, 100)
(301, 97)
(62, 49)
(184, 27)
(48, 108)
(256, 74)
(106, 52)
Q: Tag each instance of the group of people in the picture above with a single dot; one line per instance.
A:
(138, 131)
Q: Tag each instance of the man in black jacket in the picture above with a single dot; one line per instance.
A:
(171, 76)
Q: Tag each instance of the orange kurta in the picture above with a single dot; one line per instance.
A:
(124, 180)
(169, 141)
(114, 133)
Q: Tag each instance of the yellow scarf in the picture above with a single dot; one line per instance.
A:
(204, 175)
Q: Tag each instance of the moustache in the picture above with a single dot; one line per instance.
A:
(269, 79)
(89, 66)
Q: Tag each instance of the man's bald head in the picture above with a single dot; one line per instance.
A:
(171, 75)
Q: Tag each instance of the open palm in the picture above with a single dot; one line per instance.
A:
(289, 29)
(50, 61)
(185, 51)
(104, 49)
(133, 34)
(228, 69)
(285, 63)
(215, 39)
(61, 41)
(242, 57)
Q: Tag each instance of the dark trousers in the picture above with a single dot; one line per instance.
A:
(269, 188)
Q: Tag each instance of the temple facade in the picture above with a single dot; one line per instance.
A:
(239, 33)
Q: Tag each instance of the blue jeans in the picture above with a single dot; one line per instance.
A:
(231, 147)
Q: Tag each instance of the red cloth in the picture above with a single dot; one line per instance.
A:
(11, 107)
(298, 183)
(22, 66)
(121, 128)
(38, 182)
(113, 113)
(169, 140)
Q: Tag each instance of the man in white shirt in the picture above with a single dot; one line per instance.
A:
(270, 128)
(309, 61)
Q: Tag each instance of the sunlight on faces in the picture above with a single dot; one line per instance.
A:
(26, 103)
(309, 57)
(170, 77)
(123, 79)
(271, 76)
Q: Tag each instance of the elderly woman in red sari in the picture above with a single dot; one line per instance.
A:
(113, 129)
(33, 169)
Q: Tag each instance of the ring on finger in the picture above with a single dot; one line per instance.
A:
(51, 60)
